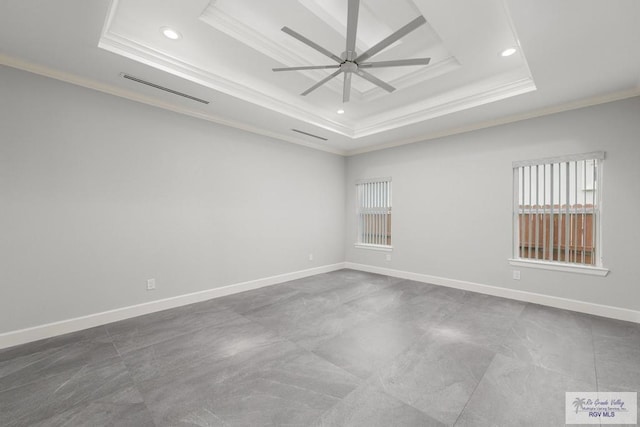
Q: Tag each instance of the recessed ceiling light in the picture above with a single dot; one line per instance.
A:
(508, 52)
(340, 111)
(170, 33)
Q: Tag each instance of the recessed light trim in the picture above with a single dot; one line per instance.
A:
(340, 111)
(508, 52)
(170, 33)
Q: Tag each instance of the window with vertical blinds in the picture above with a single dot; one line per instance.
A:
(374, 212)
(556, 210)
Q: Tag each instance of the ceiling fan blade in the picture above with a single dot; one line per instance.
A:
(346, 90)
(376, 81)
(392, 38)
(396, 63)
(311, 67)
(320, 83)
(352, 28)
(309, 43)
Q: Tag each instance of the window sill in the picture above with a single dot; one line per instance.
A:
(569, 268)
(382, 248)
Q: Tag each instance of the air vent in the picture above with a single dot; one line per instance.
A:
(166, 89)
(309, 134)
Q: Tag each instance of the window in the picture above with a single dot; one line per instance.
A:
(374, 213)
(556, 213)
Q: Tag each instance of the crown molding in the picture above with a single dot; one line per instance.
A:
(501, 87)
(276, 102)
(287, 56)
(238, 30)
(474, 94)
(134, 96)
(244, 33)
(573, 105)
(422, 74)
(450, 102)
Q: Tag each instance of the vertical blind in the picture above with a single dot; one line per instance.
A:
(374, 211)
(557, 209)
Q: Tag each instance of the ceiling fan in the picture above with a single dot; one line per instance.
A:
(350, 62)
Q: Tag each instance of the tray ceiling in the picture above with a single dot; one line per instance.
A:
(570, 54)
(232, 45)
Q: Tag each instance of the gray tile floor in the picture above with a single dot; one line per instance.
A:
(340, 349)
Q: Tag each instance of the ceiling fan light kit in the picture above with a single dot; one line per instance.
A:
(350, 62)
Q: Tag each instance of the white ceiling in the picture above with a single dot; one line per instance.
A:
(570, 53)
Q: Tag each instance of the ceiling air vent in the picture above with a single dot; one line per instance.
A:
(309, 134)
(166, 89)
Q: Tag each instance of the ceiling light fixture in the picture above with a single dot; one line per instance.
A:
(508, 52)
(340, 111)
(170, 33)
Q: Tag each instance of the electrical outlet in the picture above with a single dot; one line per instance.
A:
(151, 284)
(310, 257)
(516, 274)
(388, 258)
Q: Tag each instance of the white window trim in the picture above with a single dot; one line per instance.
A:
(383, 248)
(370, 246)
(597, 270)
(560, 266)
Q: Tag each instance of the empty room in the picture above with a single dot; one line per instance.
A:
(319, 213)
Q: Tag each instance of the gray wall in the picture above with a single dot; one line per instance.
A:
(98, 194)
(452, 201)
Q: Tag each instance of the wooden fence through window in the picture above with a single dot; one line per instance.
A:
(572, 231)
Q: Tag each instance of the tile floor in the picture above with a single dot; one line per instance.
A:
(340, 349)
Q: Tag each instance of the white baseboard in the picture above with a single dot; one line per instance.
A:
(22, 336)
(548, 300)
